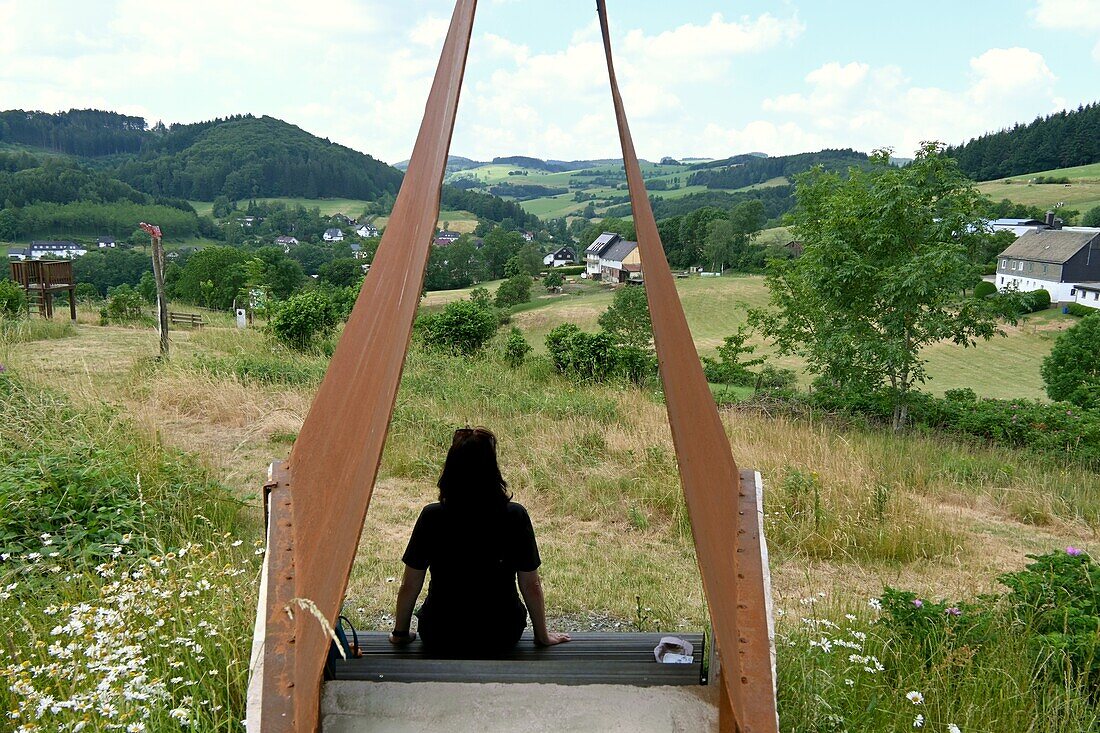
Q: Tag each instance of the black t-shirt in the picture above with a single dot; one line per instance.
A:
(473, 556)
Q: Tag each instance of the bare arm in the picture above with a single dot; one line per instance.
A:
(530, 587)
(412, 582)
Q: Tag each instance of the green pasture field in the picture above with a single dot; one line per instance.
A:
(462, 222)
(1082, 193)
(1005, 367)
(351, 207)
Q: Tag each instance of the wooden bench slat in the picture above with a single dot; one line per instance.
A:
(591, 658)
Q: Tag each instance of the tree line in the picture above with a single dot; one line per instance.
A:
(1061, 140)
(755, 170)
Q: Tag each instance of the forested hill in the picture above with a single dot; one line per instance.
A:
(239, 157)
(747, 170)
(1062, 140)
(255, 156)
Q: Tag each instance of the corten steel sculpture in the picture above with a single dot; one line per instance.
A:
(317, 501)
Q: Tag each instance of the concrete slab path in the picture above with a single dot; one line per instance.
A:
(451, 707)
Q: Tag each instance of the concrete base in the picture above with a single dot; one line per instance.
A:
(450, 707)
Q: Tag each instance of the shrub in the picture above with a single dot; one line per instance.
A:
(1071, 371)
(553, 280)
(462, 327)
(627, 319)
(516, 348)
(1091, 218)
(13, 301)
(482, 297)
(1076, 309)
(595, 357)
(984, 289)
(1037, 300)
(302, 320)
(514, 290)
(570, 270)
(124, 305)
(731, 368)
(772, 379)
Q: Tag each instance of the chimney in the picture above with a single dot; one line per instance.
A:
(1050, 219)
(1058, 223)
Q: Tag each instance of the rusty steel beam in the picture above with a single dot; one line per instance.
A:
(707, 468)
(334, 461)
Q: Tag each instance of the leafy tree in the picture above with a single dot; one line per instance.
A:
(147, 287)
(513, 291)
(1091, 218)
(462, 327)
(303, 320)
(9, 225)
(530, 259)
(312, 256)
(222, 207)
(731, 367)
(1071, 371)
(499, 247)
(553, 280)
(516, 348)
(627, 319)
(212, 277)
(482, 297)
(341, 273)
(882, 276)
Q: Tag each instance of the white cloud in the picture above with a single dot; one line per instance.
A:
(430, 32)
(1080, 16)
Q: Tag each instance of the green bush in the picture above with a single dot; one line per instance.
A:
(553, 280)
(1091, 218)
(984, 289)
(1071, 371)
(303, 320)
(574, 269)
(124, 305)
(516, 348)
(462, 327)
(1076, 309)
(595, 357)
(731, 366)
(514, 290)
(1037, 300)
(13, 301)
(772, 379)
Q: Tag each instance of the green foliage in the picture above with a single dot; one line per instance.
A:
(1060, 140)
(482, 297)
(341, 273)
(1071, 371)
(569, 270)
(553, 280)
(514, 291)
(753, 169)
(1036, 300)
(1081, 311)
(124, 305)
(731, 367)
(984, 289)
(516, 348)
(13, 301)
(881, 275)
(596, 357)
(627, 319)
(1091, 218)
(109, 268)
(213, 277)
(775, 380)
(462, 327)
(732, 241)
(303, 320)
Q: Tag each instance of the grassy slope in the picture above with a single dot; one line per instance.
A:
(1082, 193)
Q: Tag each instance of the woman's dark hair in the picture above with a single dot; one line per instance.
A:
(471, 476)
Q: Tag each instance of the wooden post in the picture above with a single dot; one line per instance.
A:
(158, 276)
(72, 304)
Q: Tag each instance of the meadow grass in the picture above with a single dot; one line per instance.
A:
(1082, 193)
(848, 507)
(22, 330)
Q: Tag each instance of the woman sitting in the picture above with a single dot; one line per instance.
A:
(477, 542)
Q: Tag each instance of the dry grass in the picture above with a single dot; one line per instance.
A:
(595, 466)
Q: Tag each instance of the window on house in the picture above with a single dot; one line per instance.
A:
(1004, 263)
(1002, 280)
(1072, 292)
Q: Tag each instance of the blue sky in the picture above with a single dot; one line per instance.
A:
(699, 78)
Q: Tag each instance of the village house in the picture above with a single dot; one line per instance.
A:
(106, 242)
(1087, 294)
(342, 219)
(333, 235)
(528, 236)
(1055, 260)
(357, 252)
(560, 257)
(55, 250)
(445, 238)
(593, 252)
(1020, 227)
(621, 262)
(17, 253)
(366, 231)
(286, 243)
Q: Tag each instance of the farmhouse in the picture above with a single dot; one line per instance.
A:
(357, 252)
(17, 253)
(366, 231)
(1086, 294)
(342, 219)
(594, 251)
(1055, 260)
(55, 250)
(107, 242)
(621, 262)
(1019, 227)
(560, 258)
(286, 243)
(446, 237)
(333, 235)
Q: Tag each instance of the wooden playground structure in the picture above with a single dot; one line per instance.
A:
(41, 280)
(316, 502)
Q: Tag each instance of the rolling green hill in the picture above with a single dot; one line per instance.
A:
(1081, 193)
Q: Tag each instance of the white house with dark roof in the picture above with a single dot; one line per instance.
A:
(107, 242)
(560, 257)
(1055, 260)
(286, 242)
(56, 250)
(594, 251)
(17, 253)
(445, 238)
(333, 235)
(1019, 227)
(1087, 294)
(366, 231)
(619, 261)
